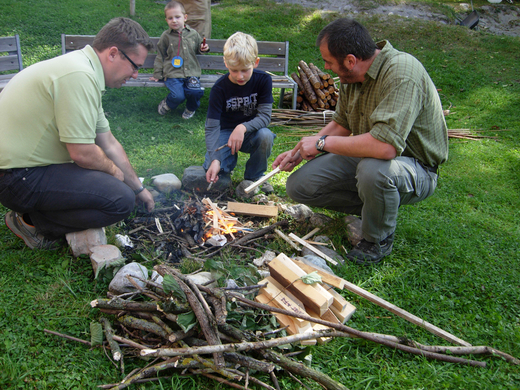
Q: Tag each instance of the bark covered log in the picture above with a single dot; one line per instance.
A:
(313, 77)
(308, 90)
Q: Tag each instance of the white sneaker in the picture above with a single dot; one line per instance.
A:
(187, 114)
(163, 108)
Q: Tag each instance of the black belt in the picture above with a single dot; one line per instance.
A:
(4, 171)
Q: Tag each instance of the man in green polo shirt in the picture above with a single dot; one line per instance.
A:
(384, 144)
(61, 169)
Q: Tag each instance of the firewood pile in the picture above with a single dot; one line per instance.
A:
(316, 89)
(196, 330)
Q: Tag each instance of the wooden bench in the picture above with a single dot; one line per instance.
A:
(274, 57)
(11, 61)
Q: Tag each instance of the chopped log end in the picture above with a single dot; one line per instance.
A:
(117, 356)
(94, 303)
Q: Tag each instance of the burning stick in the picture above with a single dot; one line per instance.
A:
(262, 180)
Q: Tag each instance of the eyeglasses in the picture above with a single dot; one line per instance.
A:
(136, 68)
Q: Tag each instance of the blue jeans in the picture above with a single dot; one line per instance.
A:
(258, 144)
(179, 93)
(372, 188)
(64, 198)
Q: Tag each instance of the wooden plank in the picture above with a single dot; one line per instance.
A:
(262, 180)
(317, 327)
(333, 280)
(282, 269)
(257, 210)
(316, 251)
(311, 233)
(284, 320)
(282, 300)
(287, 239)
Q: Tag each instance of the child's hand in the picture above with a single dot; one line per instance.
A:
(236, 139)
(204, 47)
(153, 79)
(213, 170)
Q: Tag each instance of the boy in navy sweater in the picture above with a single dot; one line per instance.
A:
(240, 106)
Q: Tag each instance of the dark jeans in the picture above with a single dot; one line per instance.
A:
(179, 93)
(257, 144)
(65, 198)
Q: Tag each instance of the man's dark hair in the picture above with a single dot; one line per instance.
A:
(123, 33)
(346, 36)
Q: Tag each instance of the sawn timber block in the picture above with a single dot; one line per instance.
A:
(341, 308)
(288, 274)
(287, 321)
(283, 301)
(256, 210)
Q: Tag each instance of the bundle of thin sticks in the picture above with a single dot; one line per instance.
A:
(309, 122)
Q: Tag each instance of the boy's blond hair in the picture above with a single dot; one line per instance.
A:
(240, 50)
(175, 4)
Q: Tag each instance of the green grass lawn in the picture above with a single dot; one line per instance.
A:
(456, 260)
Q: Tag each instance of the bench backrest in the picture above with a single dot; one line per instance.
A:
(274, 55)
(13, 59)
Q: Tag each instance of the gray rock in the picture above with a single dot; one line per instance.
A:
(166, 183)
(299, 212)
(353, 229)
(316, 262)
(319, 220)
(120, 284)
(322, 239)
(194, 178)
(241, 193)
(261, 198)
(329, 252)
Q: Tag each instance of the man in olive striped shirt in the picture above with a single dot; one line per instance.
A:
(384, 144)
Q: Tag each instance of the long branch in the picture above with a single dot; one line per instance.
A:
(360, 334)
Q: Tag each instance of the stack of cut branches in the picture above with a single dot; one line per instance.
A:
(187, 329)
(316, 89)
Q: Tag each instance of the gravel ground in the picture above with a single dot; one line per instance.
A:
(500, 19)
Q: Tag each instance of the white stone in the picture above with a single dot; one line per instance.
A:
(82, 242)
(166, 183)
(120, 284)
(156, 278)
(203, 278)
(266, 258)
(104, 256)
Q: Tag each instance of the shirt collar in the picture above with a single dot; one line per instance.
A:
(374, 69)
(92, 56)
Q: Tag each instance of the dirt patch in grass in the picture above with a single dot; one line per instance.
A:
(499, 19)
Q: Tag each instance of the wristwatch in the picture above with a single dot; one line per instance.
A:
(139, 190)
(320, 144)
